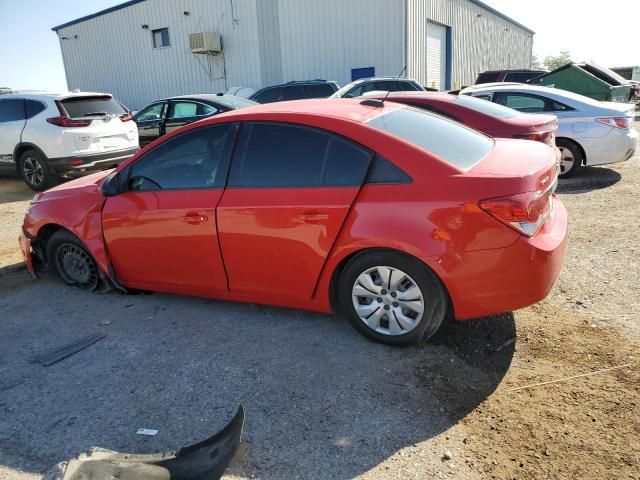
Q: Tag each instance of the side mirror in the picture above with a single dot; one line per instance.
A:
(111, 185)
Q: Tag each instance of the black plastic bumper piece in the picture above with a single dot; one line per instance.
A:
(100, 161)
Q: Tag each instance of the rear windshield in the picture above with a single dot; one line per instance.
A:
(453, 142)
(489, 77)
(235, 102)
(486, 107)
(92, 106)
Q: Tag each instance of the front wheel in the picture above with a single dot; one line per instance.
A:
(69, 258)
(391, 298)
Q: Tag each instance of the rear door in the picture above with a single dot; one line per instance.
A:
(184, 112)
(149, 122)
(161, 231)
(320, 90)
(12, 122)
(289, 191)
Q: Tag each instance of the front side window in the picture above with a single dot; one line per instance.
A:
(196, 159)
(281, 155)
(11, 110)
(458, 145)
(321, 90)
(161, 38)
(151, 113)
(189, 109)
(269, 95)
(294, 92)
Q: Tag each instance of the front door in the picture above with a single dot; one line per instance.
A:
(12, 121)
(161, 232)
(290, 189)
(149, 122)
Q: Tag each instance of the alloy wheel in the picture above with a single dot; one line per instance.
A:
(567, 160)
(388, 300)
(33, 171)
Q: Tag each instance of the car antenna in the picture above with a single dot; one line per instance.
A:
(372, 102)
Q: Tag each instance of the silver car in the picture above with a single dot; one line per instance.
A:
(589, 132)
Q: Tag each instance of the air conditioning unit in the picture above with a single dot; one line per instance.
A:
(205, 42)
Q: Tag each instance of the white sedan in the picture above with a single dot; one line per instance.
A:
(589, 132)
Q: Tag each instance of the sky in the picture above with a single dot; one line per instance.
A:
(30, 53)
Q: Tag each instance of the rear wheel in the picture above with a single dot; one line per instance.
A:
(391, 298)
(571, 157)
(34, 170)
(69, 258)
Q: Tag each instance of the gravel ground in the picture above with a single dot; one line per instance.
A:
(321, 401)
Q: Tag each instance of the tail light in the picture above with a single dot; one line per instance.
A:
(525, 212)
(617, 122)
(544, 137)
(127, 117)
(64, 121)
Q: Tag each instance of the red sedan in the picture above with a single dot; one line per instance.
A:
(491, 118)
(388, 214)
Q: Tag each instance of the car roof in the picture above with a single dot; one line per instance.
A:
(43, 95)
(299, 82)
(355, 110)
(370, 79)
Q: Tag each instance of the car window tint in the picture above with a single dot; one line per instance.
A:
(521, 77)
(152, 112)
(33, 108)
(522, 103)
(11, 109)
(383, 171)
(293, 92)
(488, 77)
(277, 155)
(321, 90)
(188, 161)
(92, 106)
(183, 110)
(451, 141)
(480, 104)
(357, 91)
(269, 95)
(482, 97)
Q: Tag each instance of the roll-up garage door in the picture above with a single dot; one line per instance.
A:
(436, 55)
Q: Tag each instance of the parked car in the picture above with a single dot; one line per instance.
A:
(323, 205)
(589, 132)
(295, 91)
(386, 84)
(518, 76)
(165, 116)
(46, 135)
(490, 118)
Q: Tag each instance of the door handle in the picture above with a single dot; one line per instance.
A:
(195, 218)
(311, 217)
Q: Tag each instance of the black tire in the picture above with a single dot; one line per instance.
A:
(433, 294)
(34, 170)
(578, 158)
(70, 260)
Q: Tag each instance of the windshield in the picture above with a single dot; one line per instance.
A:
(453, 142)
(487, 107)
(340, 93)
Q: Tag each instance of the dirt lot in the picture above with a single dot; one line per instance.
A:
(321, 401)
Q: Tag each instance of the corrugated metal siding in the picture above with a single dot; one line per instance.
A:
(481, 40)
(269, 39)
(326, 39)
(112, 53)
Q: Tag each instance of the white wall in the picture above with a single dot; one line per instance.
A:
(481, 40)
(112, 52)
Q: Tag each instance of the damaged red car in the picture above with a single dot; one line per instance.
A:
(388, 214)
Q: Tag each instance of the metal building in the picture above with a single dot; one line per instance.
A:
(143, 50)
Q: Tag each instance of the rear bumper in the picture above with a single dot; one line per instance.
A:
(489, 282)
(618, 146)
(89, 163)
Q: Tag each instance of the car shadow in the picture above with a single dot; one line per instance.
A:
(587, 179)
(13, 189)
(321, 401)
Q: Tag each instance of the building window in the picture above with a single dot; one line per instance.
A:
(161, 38)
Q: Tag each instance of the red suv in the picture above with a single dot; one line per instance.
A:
(327, 205)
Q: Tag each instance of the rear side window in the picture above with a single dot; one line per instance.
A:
(269, 95)
(454, 143)
(33, 108)
(190, 109)
(528, 103)
(321, 90)
(92, 106)
(521, 77)
(11, 110)
(280, 155)
(196, 159)
(488, 77)
(294, 92)
(480, 104)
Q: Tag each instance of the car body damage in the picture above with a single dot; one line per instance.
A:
(206, 460)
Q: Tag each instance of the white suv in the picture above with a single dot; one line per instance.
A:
(46, 135)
